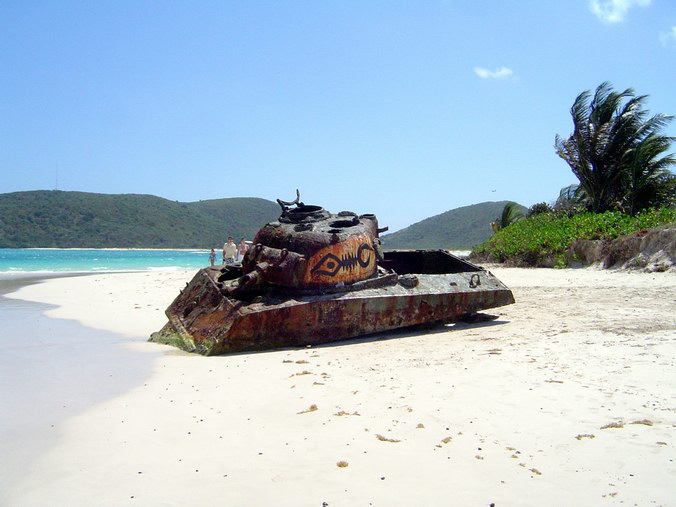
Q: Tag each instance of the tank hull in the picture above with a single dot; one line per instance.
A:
(426, 287)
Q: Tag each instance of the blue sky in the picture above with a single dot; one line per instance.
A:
(403, 109)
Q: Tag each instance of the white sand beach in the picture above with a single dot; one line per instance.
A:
(569, 398)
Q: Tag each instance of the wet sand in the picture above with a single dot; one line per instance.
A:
(569, 398)
(50, 371)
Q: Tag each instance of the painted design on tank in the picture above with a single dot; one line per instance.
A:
(347, 261)
(331, 264)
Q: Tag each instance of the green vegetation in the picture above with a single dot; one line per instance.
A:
(617, 152)
(619, 157)
(544, 238)
(84, 220)
(457, 229)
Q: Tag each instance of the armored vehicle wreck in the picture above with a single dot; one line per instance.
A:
(314, 277)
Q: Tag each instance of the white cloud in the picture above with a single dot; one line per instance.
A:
(669, 38)
(499, 73)
(614, 11)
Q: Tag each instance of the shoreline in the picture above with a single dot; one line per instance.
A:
(567, 398)
(51, 371)
(201, 250)
(37, 276)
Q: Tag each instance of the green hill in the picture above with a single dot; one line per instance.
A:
(85, 220)
(457, 229)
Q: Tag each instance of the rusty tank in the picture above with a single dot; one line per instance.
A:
(313, 277)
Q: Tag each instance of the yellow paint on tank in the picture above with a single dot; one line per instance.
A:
(347, 261)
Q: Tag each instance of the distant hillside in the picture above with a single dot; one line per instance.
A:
(457, 229)
(80, 220)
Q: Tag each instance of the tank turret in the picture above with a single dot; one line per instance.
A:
(311, 248)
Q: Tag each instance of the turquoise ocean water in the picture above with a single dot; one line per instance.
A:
(15, 261)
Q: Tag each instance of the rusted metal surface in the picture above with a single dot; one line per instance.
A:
(313, 277)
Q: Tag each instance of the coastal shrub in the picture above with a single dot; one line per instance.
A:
(538, 209)
(542, 240)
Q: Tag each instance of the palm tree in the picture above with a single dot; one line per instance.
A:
(510, 214)
(613, 144)
(648, 176)
(569, 200)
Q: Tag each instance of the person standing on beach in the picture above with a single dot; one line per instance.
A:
(212, 257)
(242, 249)
(229, 251)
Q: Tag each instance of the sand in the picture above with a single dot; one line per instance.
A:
(569, 398)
